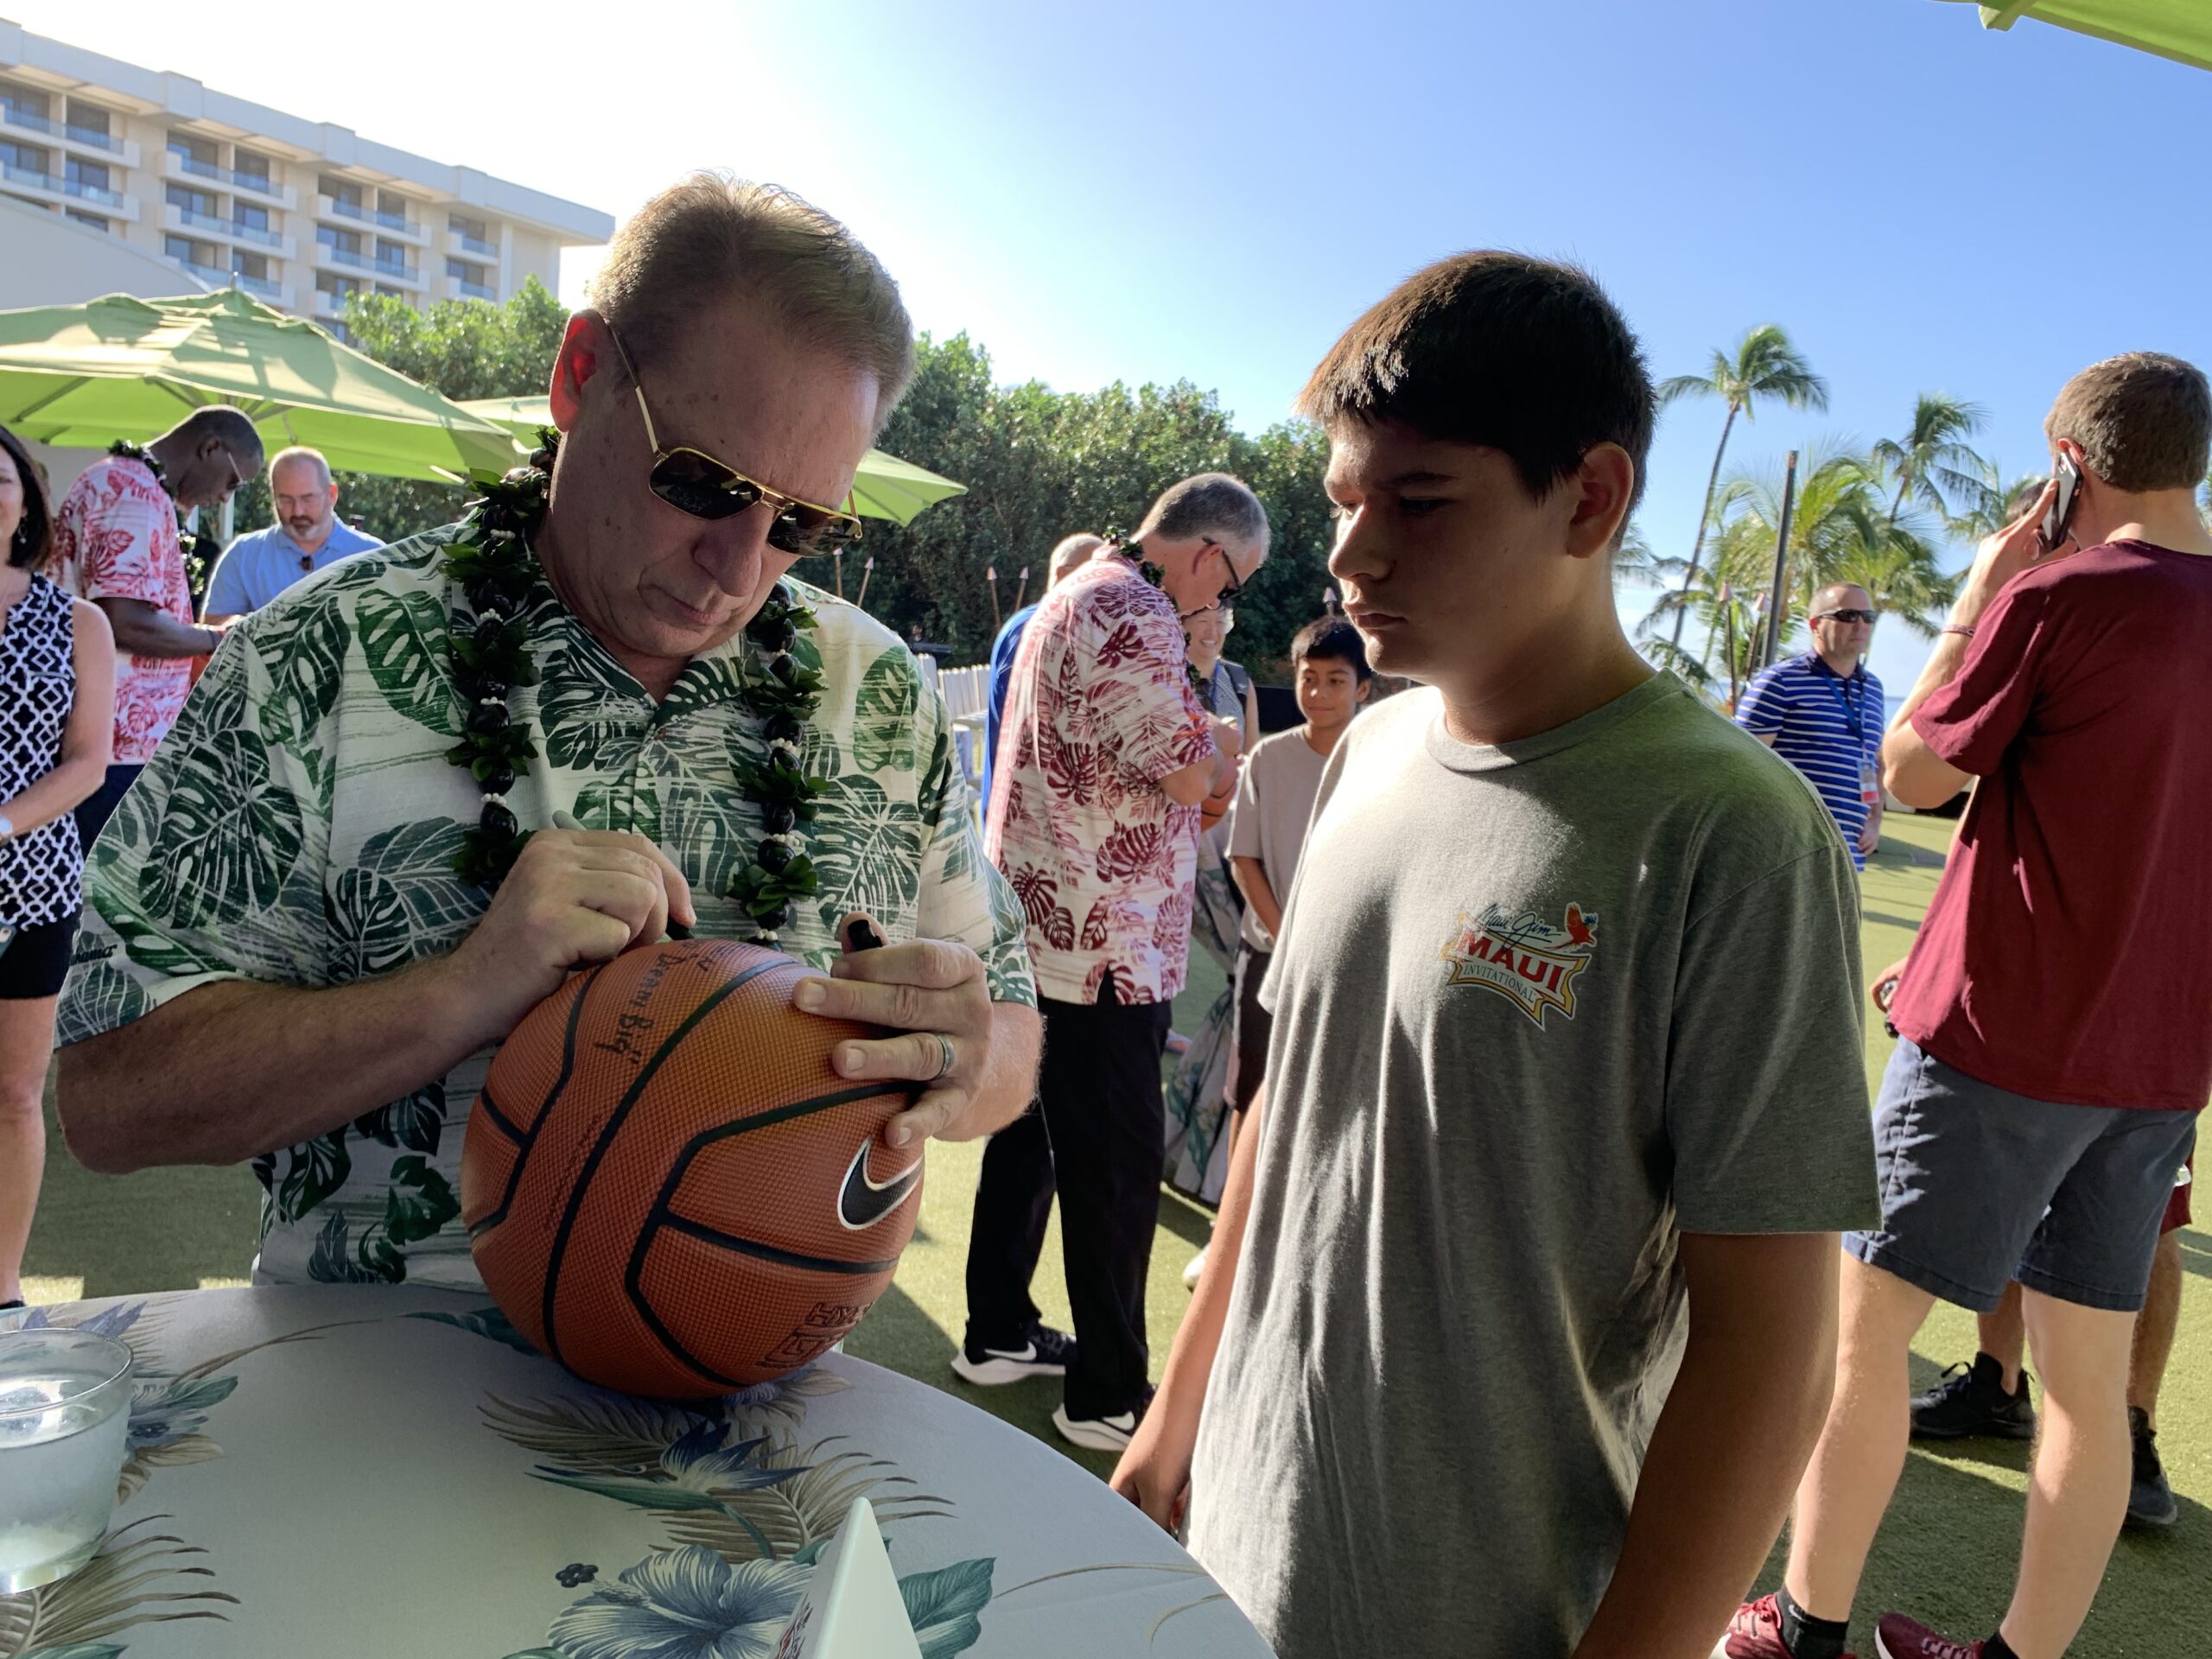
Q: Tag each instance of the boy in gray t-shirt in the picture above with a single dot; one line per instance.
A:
(1524, 1291)
(1267, 827)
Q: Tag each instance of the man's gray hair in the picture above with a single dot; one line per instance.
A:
(712, 237)
(229, 427)
(299, 452)
(1210, 504)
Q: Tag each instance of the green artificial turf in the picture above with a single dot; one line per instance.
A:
(1946, 1553)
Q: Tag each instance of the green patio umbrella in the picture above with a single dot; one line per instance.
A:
(2180, 29)
(885, 487)
(82, 376)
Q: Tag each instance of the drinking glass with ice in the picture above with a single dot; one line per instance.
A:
(65, 1399)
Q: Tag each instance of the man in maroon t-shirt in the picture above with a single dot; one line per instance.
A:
(2055, 1015)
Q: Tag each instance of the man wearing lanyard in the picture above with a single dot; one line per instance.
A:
(1823, 713)
(306, 536)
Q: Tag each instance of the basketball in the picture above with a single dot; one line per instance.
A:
(668, 1190)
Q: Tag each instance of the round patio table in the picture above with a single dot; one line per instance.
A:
(379, 1469)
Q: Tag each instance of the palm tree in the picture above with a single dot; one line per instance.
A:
(1994, 505)
(1731, 625)
(1838, 532)
(1635, 565)
(1765, 366)
(1933, 464)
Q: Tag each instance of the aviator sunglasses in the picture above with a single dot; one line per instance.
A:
(695, 482)
(1868, 617)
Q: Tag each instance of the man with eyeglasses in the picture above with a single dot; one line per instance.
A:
(282, 890)
(115, 544)
(1823, 713)
(1105, 753)
(307, 536)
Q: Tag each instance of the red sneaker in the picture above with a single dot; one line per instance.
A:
(1756, 1633)
(1897, 1637)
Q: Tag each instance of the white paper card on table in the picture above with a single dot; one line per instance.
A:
(852, 1608)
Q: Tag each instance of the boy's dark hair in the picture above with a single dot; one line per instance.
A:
(1331, 639)
(2144, 421)
(1521, 355)
(33, 539)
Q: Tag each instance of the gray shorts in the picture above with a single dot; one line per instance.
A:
(1982, 1186)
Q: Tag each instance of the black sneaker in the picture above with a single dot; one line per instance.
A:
(2150, 1500)
(1971, 1399)
(1046, 1352)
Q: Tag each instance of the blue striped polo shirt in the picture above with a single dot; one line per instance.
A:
(1821, 723)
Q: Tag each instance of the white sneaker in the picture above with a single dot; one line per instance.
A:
(1196, 1271)
(1096, 1434)
(1046, 1354)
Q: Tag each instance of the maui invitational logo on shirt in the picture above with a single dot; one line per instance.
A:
(1525, 958)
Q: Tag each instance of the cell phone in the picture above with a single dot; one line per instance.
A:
(2052, 531)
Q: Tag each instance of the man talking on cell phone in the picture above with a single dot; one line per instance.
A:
(2055, 1018)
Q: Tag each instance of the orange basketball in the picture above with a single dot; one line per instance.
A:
(668, 1190)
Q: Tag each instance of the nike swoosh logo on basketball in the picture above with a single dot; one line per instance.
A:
(863, 1202)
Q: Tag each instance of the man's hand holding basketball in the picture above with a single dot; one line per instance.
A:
(934, 995)
(575, 897)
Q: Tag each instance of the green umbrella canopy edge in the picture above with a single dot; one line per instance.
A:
(83, 376)
(2180, 29)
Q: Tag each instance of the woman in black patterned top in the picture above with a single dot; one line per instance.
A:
(57, 723)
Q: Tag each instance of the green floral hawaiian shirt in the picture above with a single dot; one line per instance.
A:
(299, 826)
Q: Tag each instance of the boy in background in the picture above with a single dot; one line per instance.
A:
(1267, 829)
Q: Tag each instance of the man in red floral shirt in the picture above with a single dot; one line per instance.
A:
(1106, 752)
(115, 544)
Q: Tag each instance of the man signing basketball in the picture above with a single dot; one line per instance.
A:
(318, 911)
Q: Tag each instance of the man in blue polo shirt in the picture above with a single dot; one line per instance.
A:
(306, 536)
(1823, 713)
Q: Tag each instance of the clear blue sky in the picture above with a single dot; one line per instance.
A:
(1156, 191)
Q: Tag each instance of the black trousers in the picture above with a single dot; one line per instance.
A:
(1097, 1133)
(96, 808)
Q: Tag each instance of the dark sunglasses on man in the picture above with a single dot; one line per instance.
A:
(693, 482)
(1868, 617)
(1234, 587)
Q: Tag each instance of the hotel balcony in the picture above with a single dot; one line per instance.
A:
(185, 170)
(68, 193)
(367, 267)
(17, 121)
(276, 294)
(464, 288)
(271, 242)
(463, 246)
(331, 211)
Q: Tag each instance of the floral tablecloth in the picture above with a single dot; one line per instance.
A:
(335, 1471)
